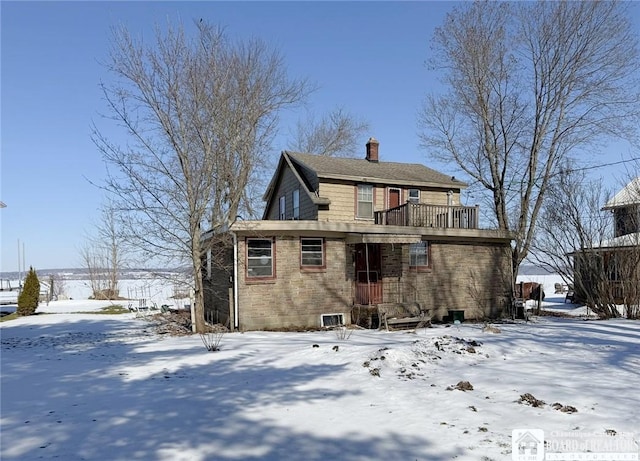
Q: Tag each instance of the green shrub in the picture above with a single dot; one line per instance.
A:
(30, 294)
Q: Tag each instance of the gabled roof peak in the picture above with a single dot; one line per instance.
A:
(629, 195)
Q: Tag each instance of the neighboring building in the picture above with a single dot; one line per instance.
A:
(618, 259)
(340, 236)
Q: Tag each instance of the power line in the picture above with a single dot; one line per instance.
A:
(593, 167)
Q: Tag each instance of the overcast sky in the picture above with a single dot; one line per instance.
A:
(367, 57)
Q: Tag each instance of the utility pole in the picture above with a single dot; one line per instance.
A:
(19, 267)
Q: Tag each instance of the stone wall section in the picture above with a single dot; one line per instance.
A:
(474, 278)
(295, 297)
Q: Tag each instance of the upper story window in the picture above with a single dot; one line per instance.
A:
(260, 260)
(296, 204)
(414, 195)
(627, 220)
(312, 253)
(419, 255)
(365, 201)
(283, 208)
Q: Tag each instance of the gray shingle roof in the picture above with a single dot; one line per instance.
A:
(383, 172)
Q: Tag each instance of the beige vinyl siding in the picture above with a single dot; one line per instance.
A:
(437, 197)
(343, 199)
(342, 208)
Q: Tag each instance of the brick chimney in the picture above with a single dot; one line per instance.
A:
(372, 150)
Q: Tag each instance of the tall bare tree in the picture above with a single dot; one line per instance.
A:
(337, 134)
(200, 113)
(528, 86)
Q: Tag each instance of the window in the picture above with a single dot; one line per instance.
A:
(296, 204)
(627, 220)
(312, 252)
(331, 320)
(260, 258)
(414, 195)
(419, 254)
(365, 201)
(283, 208)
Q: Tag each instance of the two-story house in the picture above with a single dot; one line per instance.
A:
(339, 236)
(617, 258)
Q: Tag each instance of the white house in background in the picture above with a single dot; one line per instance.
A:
(620, 255)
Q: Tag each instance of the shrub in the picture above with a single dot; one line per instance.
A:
(30, 294)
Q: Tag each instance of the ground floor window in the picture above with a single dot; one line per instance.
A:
(419, 255)
(260, 258)
(332, 320)
(312, 253)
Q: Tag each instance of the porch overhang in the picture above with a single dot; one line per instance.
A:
(369, 232)
(381, 238)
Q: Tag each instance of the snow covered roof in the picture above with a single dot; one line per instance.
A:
(629, 195)
(628, 240)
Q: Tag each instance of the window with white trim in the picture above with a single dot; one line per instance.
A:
(332, 320)
(414, 195)
(283, 208)
(296, 204)
(312, 252)
(365, 201)
(419, 254)
(260, 258)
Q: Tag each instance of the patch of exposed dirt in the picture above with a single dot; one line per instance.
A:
(174, 323)
(462, 386)
(531, 400)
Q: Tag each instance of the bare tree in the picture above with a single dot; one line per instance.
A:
(103, 255)
(336, 134)
(57, 287)
(111, 241)
(571, 233)
(94, 262)
(530, 85)
(200, 114)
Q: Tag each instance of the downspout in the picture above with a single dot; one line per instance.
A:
(366, 252)
(236, 323)
(449, 210)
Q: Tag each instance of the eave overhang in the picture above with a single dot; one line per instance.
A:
(367, 232)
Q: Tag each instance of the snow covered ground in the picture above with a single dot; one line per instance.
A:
(104, 387)
(77, 292)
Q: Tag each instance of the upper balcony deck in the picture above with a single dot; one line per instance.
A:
(424, 215)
